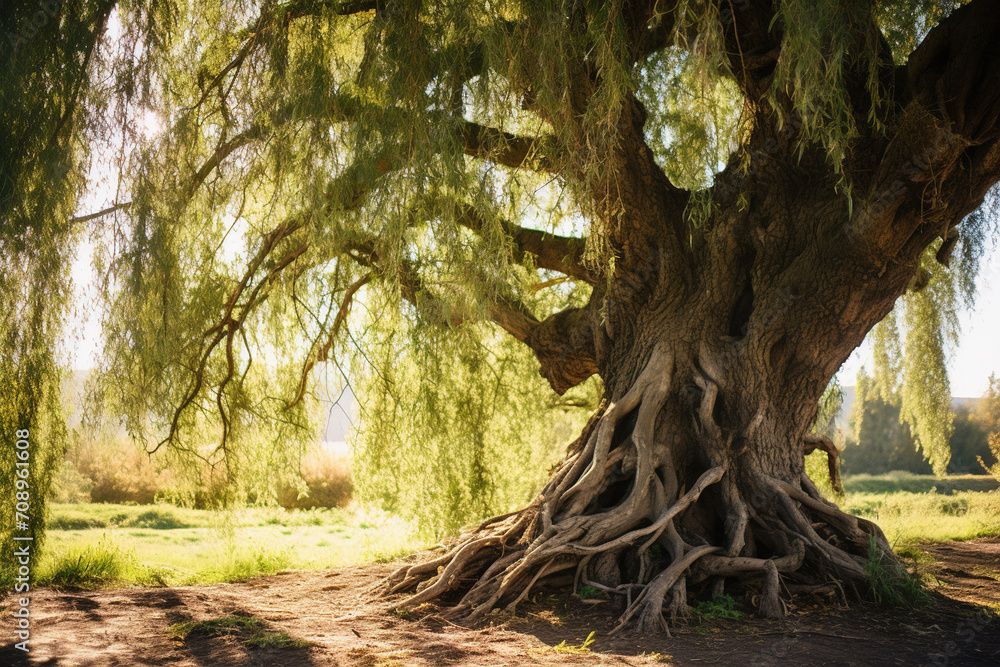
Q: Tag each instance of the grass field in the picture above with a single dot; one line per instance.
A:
(97, 544)
(93, 545)
(922, 508)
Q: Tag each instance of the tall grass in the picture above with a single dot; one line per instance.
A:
(890, 584)
(104, 563)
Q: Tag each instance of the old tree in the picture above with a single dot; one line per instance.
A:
(706, 204)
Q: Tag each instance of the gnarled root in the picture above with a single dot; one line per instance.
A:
(619, 515)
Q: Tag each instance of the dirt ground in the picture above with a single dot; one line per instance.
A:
(345, 626)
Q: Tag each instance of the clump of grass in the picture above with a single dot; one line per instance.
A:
(226, 625)
(278, 639)
(243, 564)
(911, 552)
(657, 657)
(96, 566)
(890, 584)
(719, 607)
(252, 631)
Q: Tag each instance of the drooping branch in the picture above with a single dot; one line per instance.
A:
(237, 308)
(319, 352)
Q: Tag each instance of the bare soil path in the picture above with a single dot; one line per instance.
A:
(344, 627)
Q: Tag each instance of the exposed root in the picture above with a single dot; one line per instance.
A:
(771, 605)
(627, 517)
(650, 601)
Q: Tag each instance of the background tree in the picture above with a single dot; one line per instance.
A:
(883, 441)
(987, 417)
(880, 441)
(707, 205)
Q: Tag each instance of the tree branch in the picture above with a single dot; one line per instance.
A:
(504, 148)
(563, 343)
(945, 154)
(552, 252)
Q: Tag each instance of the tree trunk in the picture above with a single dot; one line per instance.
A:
(691, 474)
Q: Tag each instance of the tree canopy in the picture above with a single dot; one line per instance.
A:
(439, 198)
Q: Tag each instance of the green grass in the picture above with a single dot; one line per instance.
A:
(163, 545)
(252, 632)
(908, 518)
(97, 545)
(103, 563)
(891, 585)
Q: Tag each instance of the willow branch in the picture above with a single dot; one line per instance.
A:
(322, 353)
(552, 252)
(504, 148)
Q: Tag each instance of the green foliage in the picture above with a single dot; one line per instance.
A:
(890, 584)
(456, 426)
(822, 41)
(44, 122)
(926, 400)
(987, 418)
(969, 443)
(719, 607)
(882, 442)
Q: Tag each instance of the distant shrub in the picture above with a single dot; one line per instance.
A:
(104, 469)
(69, 486)
(326, 482)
